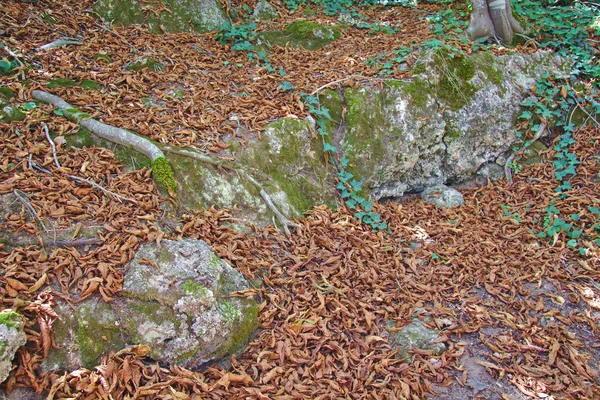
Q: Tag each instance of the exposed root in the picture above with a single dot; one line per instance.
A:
(59, 43)
(105, 191)
(112, 134)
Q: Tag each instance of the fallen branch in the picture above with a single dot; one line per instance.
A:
(59, 43)
(161, 170)
(45, 129)
(22, 197)
(105, 191)
(286, 223)
(507, 170)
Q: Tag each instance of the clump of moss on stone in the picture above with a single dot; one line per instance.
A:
(455, 74)
(302, 33)
(194, 289)
(242, 331)
(10, 318)
(163, 174)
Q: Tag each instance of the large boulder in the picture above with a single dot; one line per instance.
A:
(450, 122)
(12, 337)
(175, 300)
(183, 15)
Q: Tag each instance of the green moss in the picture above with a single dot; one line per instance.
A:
(451, 131)
(194, 289)
(61, 82)
(485, 62)
(331, 100)
(97, 333)
(418, 92)
(455, 74)
(90, 85)
(163, 174)
(302, 33)
(5, 94)
(242, 330)
(10, 318)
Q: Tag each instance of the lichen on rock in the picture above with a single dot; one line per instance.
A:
(175, 299)
(302, 33)
(12, 336)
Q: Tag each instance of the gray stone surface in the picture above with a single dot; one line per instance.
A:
(416, 336)
(12, 337)
(443, 196)
(174, 300)
(185, 15)
(264, 11)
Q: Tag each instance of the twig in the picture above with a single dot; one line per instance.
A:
(105, 191)
(587, 113)
(22, 197)
(45, 129)
(507, 171)
(59, 43)
(33, 165)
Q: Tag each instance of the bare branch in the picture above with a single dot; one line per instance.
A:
(105, 191)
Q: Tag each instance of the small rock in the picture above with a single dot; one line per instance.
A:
(416, 335)
(11, 338)
(443, 196)
(265, 11)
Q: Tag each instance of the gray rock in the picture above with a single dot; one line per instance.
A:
(174, 300)
(204, 15)
(12, 337)
(264, 11)
(443, 196)
(454, 117)
(415, 335)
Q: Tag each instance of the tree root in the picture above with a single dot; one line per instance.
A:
(59, 43)
(163, 174)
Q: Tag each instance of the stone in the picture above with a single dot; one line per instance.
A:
(443, 196)
(302, 33)
(415, 335)
(264, 11)
(453, 118)
(175, 300)
(12, 336)
(186, 15)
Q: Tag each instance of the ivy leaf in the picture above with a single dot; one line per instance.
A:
(29, 106)
(351, 203)
(356, 185)
(525, 115)
(329, 147)
(594, 210)
(344, 162)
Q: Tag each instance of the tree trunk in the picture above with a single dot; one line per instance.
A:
(493, 18)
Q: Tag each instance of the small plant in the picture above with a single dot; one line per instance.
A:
(228, 310)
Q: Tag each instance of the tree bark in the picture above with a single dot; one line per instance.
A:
(493, 18)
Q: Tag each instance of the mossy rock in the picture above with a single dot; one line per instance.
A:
(179, 305)
(185, 15)
(292, 157)
(302, 33)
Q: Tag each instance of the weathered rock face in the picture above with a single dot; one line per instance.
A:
(300, 33)
(174, 300)
(12, 337)
(416, 335)
(185, 15)
(442, 196)
(454, 118)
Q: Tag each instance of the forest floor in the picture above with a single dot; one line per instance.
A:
(520, 314)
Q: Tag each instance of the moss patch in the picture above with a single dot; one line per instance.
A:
(302, 33)
(10, 318)
(194, 289)
(163, 174)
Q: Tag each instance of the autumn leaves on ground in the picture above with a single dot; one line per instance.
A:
(479, 272)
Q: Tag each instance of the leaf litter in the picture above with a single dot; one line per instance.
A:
(526, 311)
